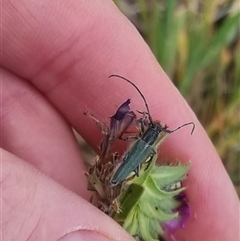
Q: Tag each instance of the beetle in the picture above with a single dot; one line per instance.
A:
(144, 147)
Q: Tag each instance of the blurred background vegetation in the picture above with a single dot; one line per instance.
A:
(197, 44)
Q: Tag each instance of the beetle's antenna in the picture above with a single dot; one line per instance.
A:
(186, 124)
(121, 77)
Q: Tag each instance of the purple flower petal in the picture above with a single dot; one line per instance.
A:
(121, 111)
(119, 123)
(122, 119)
(184, 213)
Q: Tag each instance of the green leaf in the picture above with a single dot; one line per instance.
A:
(128, 200)
(147, 202)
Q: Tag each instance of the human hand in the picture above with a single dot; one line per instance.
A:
(56, 57)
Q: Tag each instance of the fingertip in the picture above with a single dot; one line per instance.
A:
(38, 208)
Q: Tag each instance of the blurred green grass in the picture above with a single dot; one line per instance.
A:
(197, 43)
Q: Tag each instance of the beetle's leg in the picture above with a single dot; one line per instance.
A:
(129, 138)
(149, 161)
(142, 122)
(130, 178)
(137, 170)
(136, 173)
(133, 135)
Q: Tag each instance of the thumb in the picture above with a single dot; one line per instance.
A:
(37, 208)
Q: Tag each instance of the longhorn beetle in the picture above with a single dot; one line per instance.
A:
(144, 148)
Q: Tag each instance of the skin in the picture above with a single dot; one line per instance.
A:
(56, 57)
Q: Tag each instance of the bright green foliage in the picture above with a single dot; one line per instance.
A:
(148, 200)
(127, 201)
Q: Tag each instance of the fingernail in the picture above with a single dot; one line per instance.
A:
(84, 235)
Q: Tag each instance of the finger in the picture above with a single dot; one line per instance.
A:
(33, 130)
(67, 79)
(63, 70)
(88, 54)
(37, 208)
